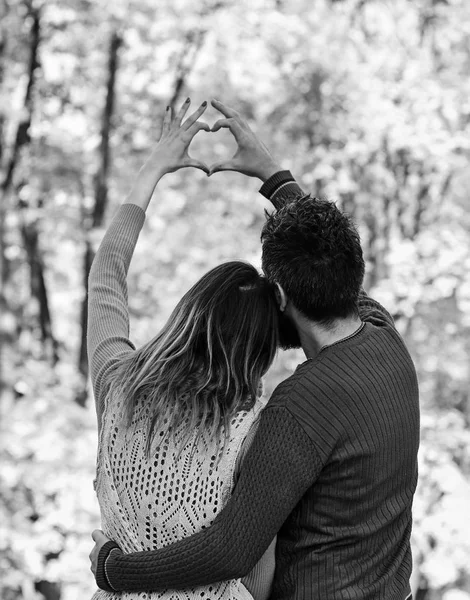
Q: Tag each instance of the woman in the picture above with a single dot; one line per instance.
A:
(176, 415)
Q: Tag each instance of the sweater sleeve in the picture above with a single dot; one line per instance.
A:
(280, 466)
(259, 580)
(370, 311)
(108, 317)
(281, 188)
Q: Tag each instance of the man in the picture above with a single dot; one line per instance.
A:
(333, 467)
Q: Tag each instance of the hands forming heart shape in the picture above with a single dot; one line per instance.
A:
(251, 158)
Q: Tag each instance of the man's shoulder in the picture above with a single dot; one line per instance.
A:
(313, 410)
(302, 392)
(290, 390)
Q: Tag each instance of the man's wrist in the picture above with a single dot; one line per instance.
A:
(101, 574)
(281, 188)
(276, 181)
(267, 170)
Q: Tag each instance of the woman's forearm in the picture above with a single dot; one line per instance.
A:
(147, 179)
(108, 319)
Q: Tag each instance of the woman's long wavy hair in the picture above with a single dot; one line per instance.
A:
(207, 362)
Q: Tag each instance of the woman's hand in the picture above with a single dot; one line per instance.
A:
(100, 540)
(171, 152)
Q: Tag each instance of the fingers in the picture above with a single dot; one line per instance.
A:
(222, 166)
(183, 110)
(198, 126)
(197, 164)
(221, 123)
(195, 116)
(231, 124)
(166, 121)
(225, 110)
(96, 534)
(92, 558)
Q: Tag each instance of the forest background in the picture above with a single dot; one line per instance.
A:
(366, 101)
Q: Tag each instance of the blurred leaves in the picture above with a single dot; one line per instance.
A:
(366, 101)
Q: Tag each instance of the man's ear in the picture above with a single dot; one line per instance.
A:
(280, 297)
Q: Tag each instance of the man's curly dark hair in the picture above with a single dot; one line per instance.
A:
(313, 251)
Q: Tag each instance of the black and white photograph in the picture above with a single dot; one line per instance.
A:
(234, 299)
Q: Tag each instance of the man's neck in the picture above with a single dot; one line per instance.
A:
(314, 337)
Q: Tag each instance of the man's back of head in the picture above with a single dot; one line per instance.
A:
(313, 251)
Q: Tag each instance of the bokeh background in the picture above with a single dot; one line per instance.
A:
(366, 101)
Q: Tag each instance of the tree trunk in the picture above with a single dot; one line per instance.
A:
(100, 204)
(30, 235)
(194, 40)
(21, 139)
(371, 252)
(3, 46)
(49, 589)
(83, 358)
(192, 45)
(22, 132)
(6, 335)
(187, 59)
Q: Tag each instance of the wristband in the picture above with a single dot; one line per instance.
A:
(272, 185)
(101, 575)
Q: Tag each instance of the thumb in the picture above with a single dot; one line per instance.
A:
(230, 124)
(197, 164)
(97, 534)
(227, 165)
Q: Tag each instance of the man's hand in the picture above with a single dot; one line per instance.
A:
(100, 540)
(252, 158)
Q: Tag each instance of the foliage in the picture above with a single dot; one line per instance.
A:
(366, 101)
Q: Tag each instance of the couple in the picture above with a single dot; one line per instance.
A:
(203, 492)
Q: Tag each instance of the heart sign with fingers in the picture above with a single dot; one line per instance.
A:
(251, 157)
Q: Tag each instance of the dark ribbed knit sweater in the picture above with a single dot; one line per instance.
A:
(332, 468)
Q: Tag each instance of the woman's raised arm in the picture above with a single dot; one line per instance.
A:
(108, 316)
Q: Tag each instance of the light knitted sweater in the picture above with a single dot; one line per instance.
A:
(149, 503)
